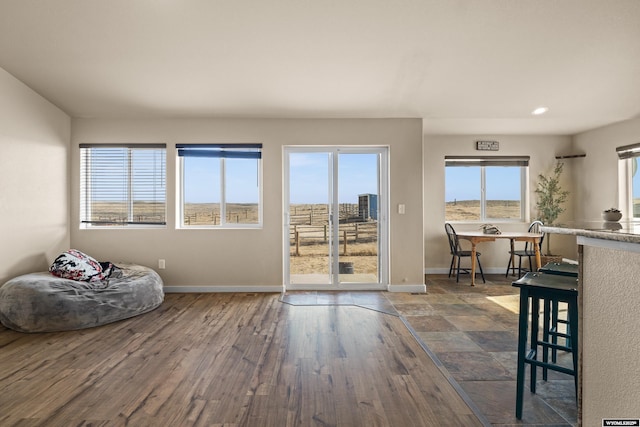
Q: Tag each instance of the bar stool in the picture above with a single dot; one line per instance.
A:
(562, 269)
(550, 289)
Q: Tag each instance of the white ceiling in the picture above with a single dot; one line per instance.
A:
(464, 66)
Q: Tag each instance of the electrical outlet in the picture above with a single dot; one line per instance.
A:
(161, 264)
(401, 209)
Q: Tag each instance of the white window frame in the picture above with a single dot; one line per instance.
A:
(383, 216)
(87, 187)
(490, 161)
(628, 155)
(227, 147)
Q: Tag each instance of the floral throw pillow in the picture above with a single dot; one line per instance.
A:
(76, 265)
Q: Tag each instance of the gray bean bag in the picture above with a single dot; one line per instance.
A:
(42, 302)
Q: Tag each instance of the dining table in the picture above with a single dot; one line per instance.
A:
(476, 237)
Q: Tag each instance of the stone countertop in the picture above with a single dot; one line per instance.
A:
(623, 231)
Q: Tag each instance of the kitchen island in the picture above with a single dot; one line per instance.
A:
(609, 329)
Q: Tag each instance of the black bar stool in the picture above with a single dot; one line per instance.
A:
(550, 289)
(562, 269)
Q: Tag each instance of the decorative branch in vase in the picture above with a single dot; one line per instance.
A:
(551, 197)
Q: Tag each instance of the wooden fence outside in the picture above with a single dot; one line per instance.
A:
(319, 214)
(305, 235)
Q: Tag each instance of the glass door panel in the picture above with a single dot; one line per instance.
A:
(310, 236)
(358, 195)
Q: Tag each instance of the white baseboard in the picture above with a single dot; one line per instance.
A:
(408, 288)
(205, 289)
(278, 289)
(436, 271)
(342, 287)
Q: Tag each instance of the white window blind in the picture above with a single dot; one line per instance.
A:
(122, 184)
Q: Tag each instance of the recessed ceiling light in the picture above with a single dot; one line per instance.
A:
(540, 110)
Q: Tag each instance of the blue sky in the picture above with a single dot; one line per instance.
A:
(308, 176)
(463, 183)
(202, 180)
(309, 182)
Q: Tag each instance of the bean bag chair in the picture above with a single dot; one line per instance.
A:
(43, 302)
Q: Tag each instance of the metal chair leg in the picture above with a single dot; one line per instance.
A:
(480, 267)
(453, 260)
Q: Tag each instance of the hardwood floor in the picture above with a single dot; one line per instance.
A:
(232, 360)
(472, 333)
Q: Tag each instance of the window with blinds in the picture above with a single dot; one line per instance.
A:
(220, 185)
(122, 185)
(485, 188)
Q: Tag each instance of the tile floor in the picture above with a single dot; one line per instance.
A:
(473, 333)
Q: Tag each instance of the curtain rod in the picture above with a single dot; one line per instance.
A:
(571, 156)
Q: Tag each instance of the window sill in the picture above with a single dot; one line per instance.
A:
(221, 227)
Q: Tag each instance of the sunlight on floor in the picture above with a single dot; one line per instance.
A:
(510, 302)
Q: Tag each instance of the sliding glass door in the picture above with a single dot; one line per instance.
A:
(335, 218)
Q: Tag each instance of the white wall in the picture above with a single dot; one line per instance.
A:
(610, 364)
(542, 151)
(597, 175)
(251, 258)
(610, 339)
(609, 324)
(34, 179)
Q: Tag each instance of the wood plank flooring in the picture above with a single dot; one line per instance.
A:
(228, 360)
